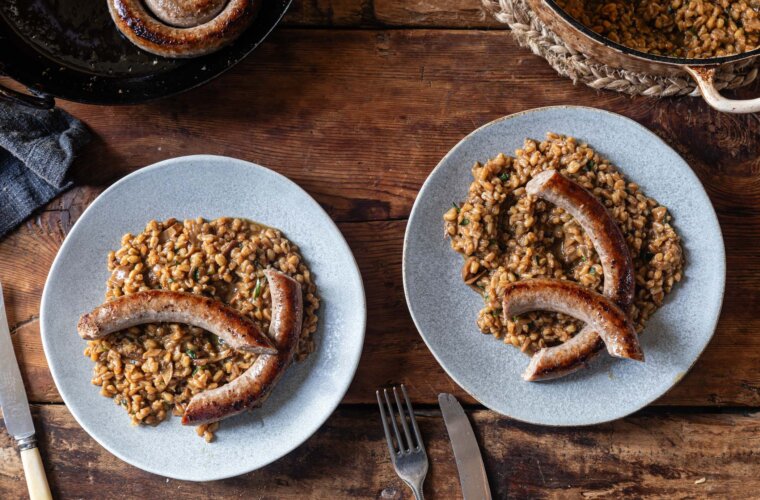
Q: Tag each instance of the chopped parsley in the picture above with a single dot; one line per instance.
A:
(257, 290)
(504, 177)
(464, 222)
(191, 353)
(453, 203)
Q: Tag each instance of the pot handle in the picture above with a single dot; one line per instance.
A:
(33, 99)
(705, 78)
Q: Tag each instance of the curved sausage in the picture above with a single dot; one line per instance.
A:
(596, 221)
(570, 298)
(185, 13)
(255, 385)
(619, 280)
(193, 38)
(162, 306)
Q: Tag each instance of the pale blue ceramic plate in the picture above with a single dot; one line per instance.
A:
(207, 186)
(444, 309)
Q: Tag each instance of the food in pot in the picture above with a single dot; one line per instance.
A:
(678, 28)
(182, 28)
(507, 235)
(154, 370)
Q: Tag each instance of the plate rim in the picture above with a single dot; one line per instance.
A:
(720, 258)
(354, 363)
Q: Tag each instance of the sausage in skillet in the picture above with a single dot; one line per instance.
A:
(163, 306)
(575, 300)
(619, 282)
(182, 28)
(255, 385)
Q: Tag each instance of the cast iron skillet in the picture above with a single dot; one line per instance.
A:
(72, 50)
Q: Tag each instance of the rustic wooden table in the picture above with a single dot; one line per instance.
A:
(357, 101)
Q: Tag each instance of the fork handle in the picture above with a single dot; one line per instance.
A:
(417, 492)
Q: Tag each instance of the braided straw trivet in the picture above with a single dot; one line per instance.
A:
(531, 32)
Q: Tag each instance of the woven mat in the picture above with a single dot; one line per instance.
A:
(532, 33)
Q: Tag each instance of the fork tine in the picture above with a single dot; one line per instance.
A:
(393, 421)
(403, 419)
(386, 429)
(417, 435)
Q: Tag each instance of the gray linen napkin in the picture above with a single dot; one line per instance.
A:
(36, 151)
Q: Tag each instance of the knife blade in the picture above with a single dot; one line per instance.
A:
(472, 472)
(18, 418)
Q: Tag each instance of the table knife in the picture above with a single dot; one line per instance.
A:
(472, 472)
(18, 418)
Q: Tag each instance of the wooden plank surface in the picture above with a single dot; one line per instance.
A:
(657, 454)
(373, 112)
(409, 13)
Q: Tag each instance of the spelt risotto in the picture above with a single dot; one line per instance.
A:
(679, 28)
(154, 370)
(507, 236)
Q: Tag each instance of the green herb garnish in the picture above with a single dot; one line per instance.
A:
(196, 274)
(592, 270)
(191, 353)
(504, 177)
(257, 290)
(195, 370)
(464, 222)
(455, 205)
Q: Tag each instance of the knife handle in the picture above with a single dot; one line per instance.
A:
(34, 471)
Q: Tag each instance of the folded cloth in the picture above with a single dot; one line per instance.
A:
(36, 151)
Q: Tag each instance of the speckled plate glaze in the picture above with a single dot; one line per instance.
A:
(207, 186)
(445, 310)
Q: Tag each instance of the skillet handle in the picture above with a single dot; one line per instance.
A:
(705, 78)
(34, 99)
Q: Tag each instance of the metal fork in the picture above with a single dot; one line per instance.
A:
(408, 457)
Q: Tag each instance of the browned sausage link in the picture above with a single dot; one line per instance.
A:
(143, 29)
(577, 301)
(162, 306)
(557, 361)
(255, 385)
(596, 221)
(619, 281)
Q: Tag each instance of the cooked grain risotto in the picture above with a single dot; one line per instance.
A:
(154, 370)
(679, 28)
(507, 236)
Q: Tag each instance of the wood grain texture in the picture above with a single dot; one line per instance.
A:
(655, 454)
(359, 117)
(373, 13)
